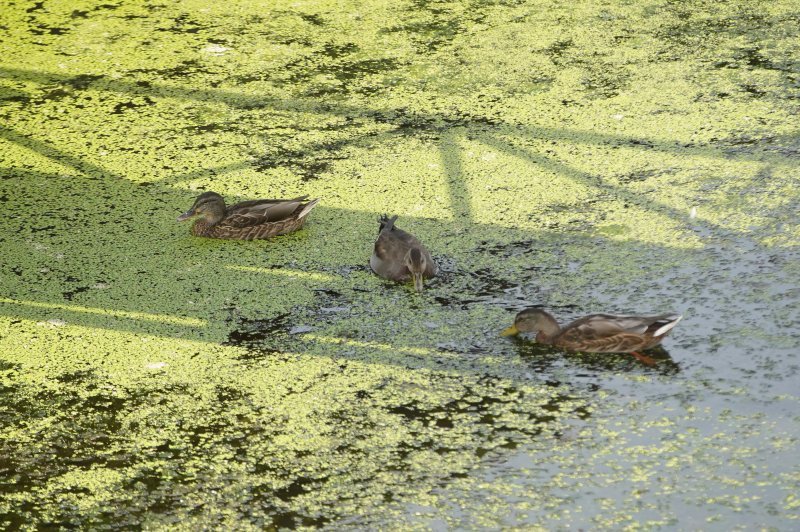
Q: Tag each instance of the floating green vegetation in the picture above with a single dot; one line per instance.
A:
(625, 157)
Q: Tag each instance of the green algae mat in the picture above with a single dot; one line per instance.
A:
(627, 157)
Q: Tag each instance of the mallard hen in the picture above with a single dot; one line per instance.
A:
(399, 256)
(249, 220)
(596, 333)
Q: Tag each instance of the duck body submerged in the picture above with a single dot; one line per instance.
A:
(249, 220)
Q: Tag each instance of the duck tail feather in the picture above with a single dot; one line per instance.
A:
(308, 207)
(666, 324)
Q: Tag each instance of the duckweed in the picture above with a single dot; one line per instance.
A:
(624, 157)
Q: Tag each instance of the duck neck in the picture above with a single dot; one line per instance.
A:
(415, 261)
(211, 216)
(549, 329)
(544, 338)
(215, 212)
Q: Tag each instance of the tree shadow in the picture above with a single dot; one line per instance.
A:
(79, 255)
(102, 210)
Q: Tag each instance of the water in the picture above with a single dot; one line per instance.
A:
(630, 159)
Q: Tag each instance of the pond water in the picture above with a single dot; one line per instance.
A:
(605, 157)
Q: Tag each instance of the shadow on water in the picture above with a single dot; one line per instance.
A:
(94, 211)
(255, 332)
(312, 162)
(430, 26)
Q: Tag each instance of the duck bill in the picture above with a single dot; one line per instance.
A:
(185, 216)
(418, 286)
(510, 331)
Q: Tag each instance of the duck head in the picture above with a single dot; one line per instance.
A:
(533, 320)
(416, 263)
(209, 207)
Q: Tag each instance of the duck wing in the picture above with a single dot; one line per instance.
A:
(388, 257)
(257, 212)
(391, 246)
(393, 243)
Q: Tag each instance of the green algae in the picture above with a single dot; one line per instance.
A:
(621, 157)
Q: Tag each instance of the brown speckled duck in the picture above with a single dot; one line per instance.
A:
(249, 220)
(399, 256)
(596, 333)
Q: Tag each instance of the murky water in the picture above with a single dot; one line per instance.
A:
(619, 158)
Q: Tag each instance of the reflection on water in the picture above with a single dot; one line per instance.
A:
(544, 358)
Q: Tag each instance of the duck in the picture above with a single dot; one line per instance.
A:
(399, 256)
(597, 333)
(248, 220)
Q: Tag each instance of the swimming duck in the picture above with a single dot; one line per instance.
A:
(262, 218)
(596, 333)
(399, 256)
